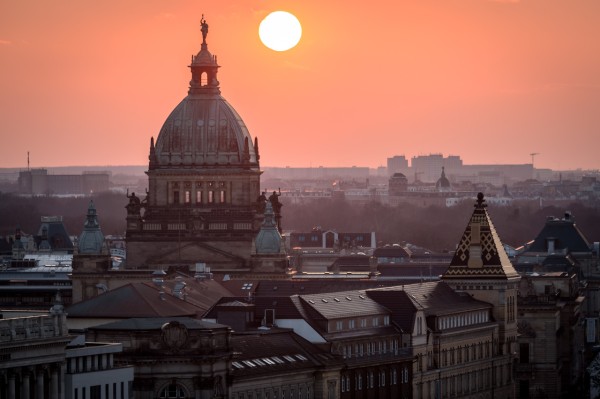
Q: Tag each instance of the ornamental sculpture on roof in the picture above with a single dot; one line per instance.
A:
(203, 29)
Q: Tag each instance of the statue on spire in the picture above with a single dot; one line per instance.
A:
(203, 29)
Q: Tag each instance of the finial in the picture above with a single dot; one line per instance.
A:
(480, 201)
(203, 29)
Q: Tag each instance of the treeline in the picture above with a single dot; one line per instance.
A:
(437, 228)
(26, 212)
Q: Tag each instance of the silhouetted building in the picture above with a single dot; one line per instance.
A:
(204, 181)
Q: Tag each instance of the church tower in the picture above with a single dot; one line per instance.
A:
(481, 267)
(203, 179)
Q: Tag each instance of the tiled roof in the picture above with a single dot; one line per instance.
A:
(156, 323)
(480, 253)
(342, 304)
(133, 300)
(433, 298)
(304, 287)
(274, 351)
(394, 251)
(566, 234)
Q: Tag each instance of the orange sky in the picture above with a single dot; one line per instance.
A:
(89, 82)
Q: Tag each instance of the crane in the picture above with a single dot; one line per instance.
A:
(533, 154)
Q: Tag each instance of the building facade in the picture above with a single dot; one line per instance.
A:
(204, 181)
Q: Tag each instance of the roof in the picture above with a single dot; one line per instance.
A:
(274, 351)
(156, 323)
(335, 305)
(566, 235)
(480, 253)
(133, 300)
(392, 251)
(434, 298)
(270, 288)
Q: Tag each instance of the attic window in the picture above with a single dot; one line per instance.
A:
(289, 358)
(348, 298)
(237, 365)
(301, 357)
(335, 299)
(248, 363)
(277, 360)
(361, 296)
(247, 286)
(311, 301)
(324, 300)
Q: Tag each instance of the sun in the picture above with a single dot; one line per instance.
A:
(280, 31)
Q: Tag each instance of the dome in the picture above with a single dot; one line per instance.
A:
(204, 129)
(443, 183)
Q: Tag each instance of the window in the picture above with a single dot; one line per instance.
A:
(351, 323)
(375, 321)
(172, 391)
(359, 382)
(176, 197)
(386, 320)
(363, 322)
(339, 325)
(198, 197)
(222, 196)
(211, 197)
(524, 353)
(188, 197)
(95, 392)
(382, 378)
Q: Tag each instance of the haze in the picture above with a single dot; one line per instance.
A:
(88, 83)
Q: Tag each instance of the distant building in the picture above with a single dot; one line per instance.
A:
(397, 164)
(39, 182)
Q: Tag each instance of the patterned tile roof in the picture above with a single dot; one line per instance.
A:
(480, 253)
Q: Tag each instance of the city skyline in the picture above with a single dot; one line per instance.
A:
(491, 81)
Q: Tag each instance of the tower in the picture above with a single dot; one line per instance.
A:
(203, 179)
(481, 268)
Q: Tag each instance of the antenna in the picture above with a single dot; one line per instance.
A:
(533, 154)
(28, 161)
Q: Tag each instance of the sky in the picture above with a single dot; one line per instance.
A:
(89, 82)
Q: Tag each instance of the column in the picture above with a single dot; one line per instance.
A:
(39, 384)
(11, 385)
(54, 383)
(25, 394)
(63, 367)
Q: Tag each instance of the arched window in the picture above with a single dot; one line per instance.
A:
(203, 79)
(172, 391)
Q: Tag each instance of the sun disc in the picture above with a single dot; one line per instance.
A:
(280, 31)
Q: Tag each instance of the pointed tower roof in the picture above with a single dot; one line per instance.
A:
(91, 240)
(268, 240)
(480, 253)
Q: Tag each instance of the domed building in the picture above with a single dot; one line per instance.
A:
(203, 179)
(443, 184)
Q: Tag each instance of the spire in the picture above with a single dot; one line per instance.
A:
(256, 149)
(152, 157)
(91, 240)
(246, 154)
(480, 253)
(204, 67)
(268, 240)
